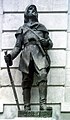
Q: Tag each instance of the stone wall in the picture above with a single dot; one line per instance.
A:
(55, 15)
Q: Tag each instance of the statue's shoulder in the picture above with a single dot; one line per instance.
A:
(42, 28)
(21, 29)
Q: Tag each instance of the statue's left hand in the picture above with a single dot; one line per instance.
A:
(8, 59)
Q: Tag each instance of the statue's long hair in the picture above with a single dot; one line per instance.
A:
(26, 17)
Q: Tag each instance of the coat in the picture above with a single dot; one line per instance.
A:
(27, 44)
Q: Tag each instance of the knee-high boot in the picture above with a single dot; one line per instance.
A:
(26, 98)
(42, 95)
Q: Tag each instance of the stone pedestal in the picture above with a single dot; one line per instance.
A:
(45, 114)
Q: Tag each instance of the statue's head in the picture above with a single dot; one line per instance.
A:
(30, 12)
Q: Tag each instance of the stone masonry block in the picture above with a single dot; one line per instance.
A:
(0, 23)
(16, 75)
(7, 96)
(67, 82)
(1, 9)
(41, 5)
(67, 94)
(9, 40)
(58, 58)
(65, 107)
(1, 106)
(55, 94)
(4, 80)
(10, 112)
(60, 5)
(65, 116)
(68, 6)
(15, 5)
(54, 5)
(68, 41)
(60, 18)
(59, 39)
(68, 22)
(14, 21)
(0, 35)
(68, 59)
(56, 76)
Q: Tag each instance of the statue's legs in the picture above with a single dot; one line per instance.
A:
(42, 95)
(26, 86)
(42, 83)
(27, 80)
(26, 98)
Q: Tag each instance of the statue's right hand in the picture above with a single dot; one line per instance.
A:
(8, 59)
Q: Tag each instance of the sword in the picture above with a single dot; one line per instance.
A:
(12, 83)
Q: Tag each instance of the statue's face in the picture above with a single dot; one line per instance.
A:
(32, 11)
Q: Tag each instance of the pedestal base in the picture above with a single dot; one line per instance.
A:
(42, 113)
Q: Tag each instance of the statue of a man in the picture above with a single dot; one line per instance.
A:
(32, 40)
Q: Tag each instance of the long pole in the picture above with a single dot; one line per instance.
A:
(12, 83)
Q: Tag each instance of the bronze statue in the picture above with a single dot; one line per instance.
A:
(33, 42)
